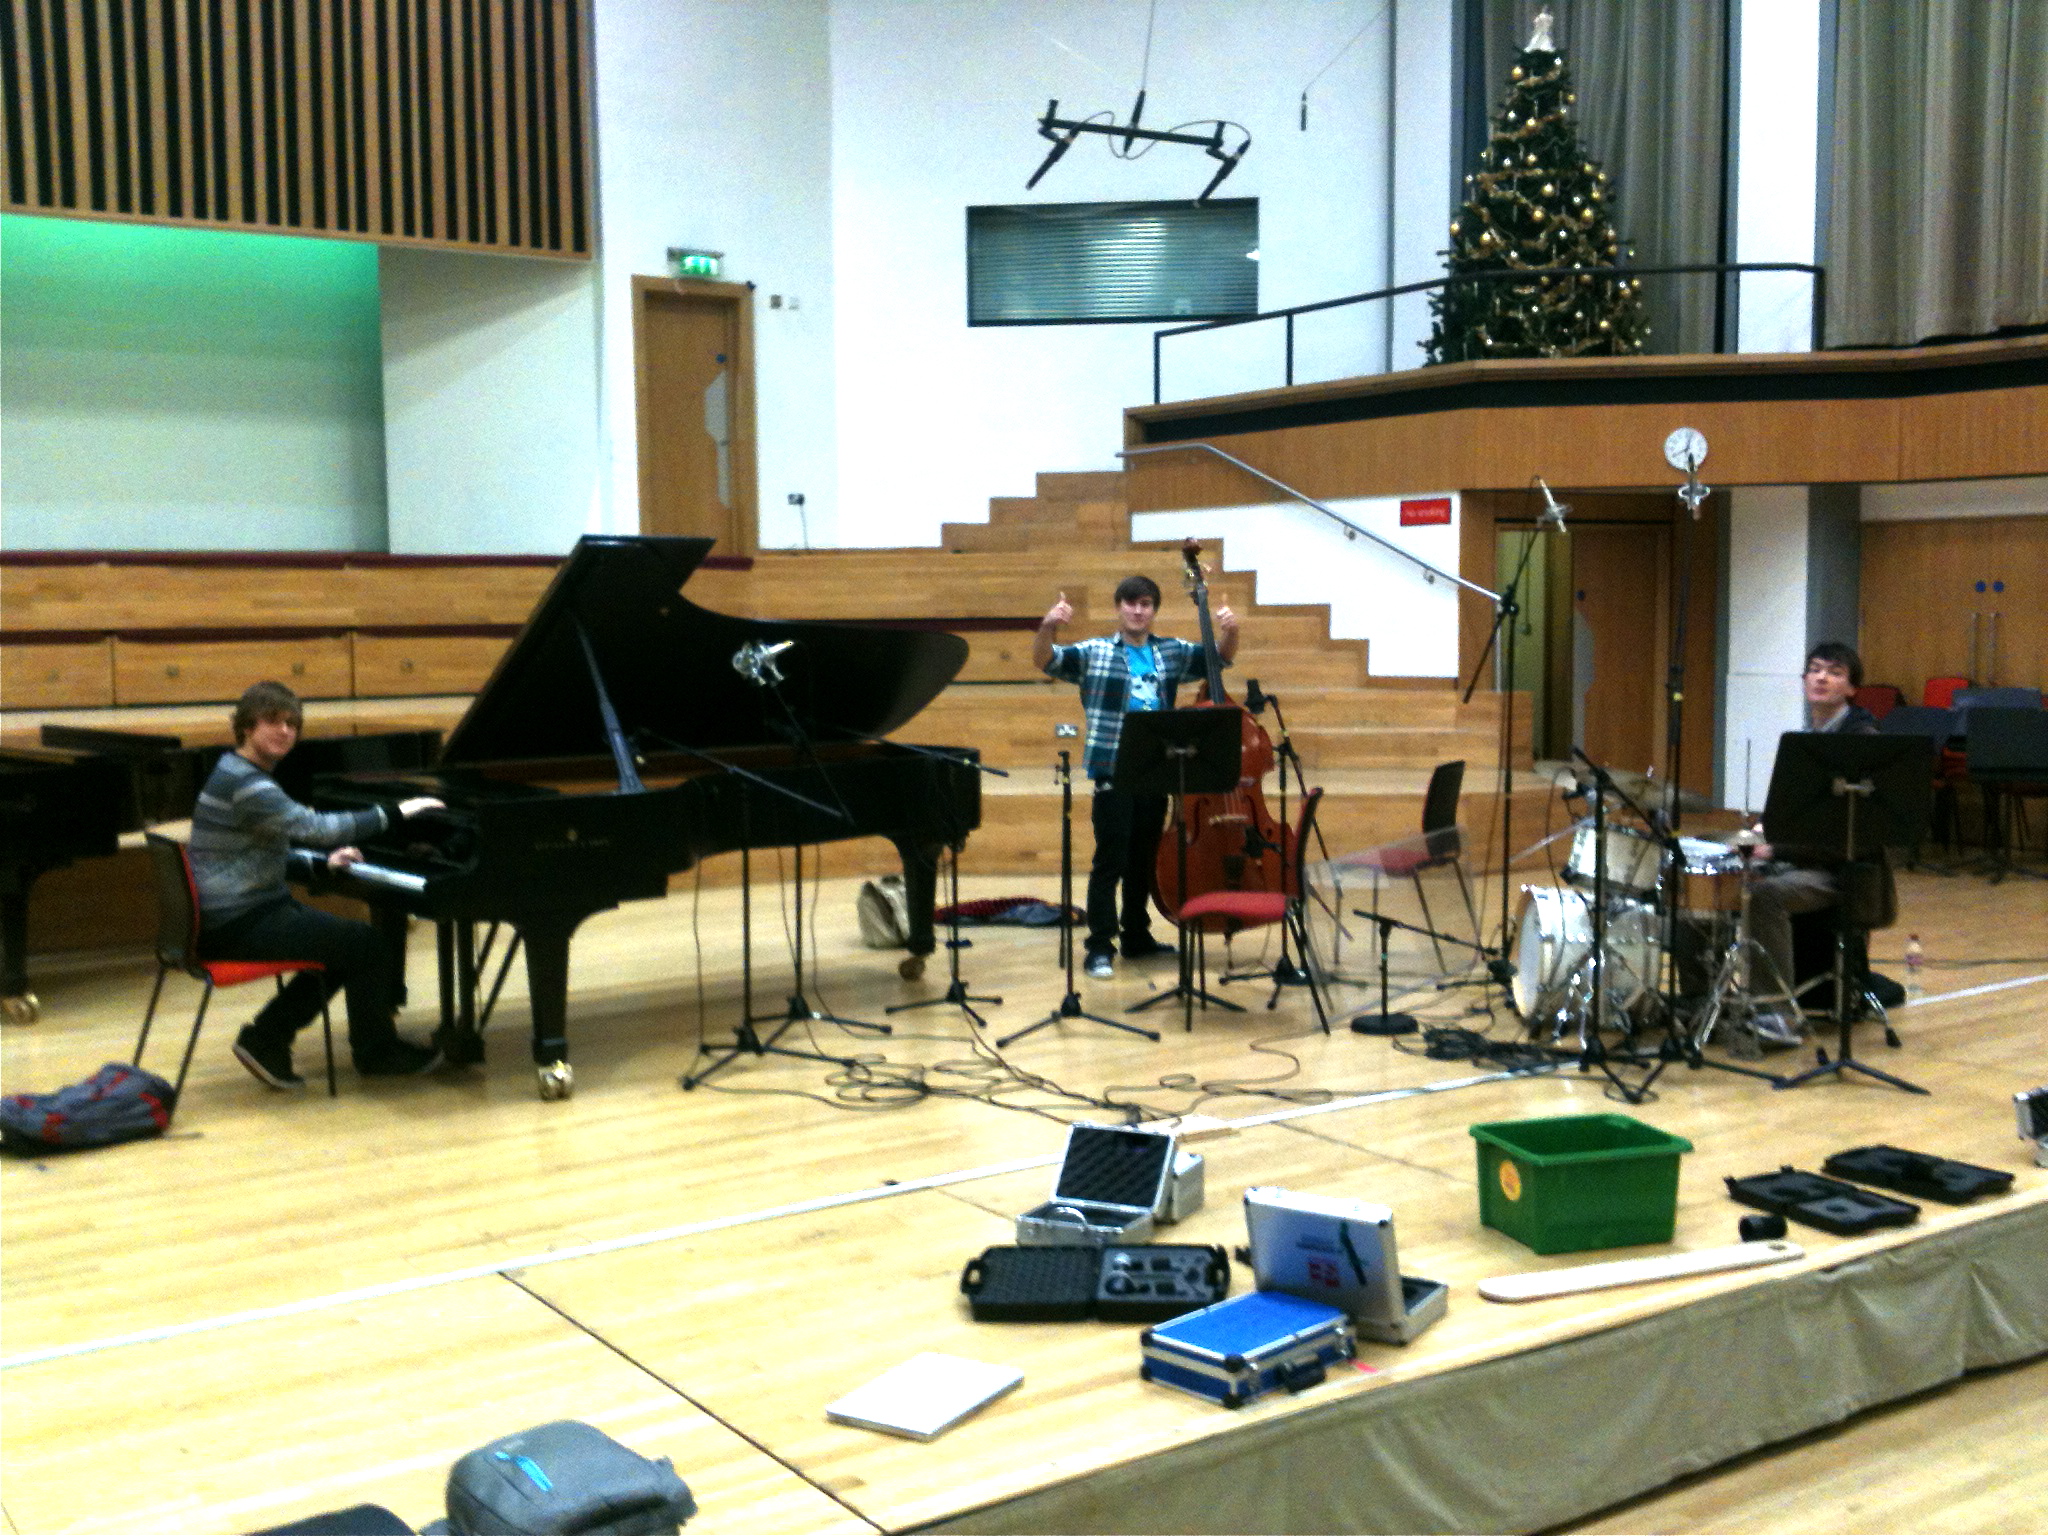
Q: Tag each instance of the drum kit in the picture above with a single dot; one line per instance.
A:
(1614, 916)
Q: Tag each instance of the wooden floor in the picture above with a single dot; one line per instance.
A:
(295, 1303)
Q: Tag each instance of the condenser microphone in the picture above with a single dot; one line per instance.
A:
(756, 662)
(1551, 519)
(1255, 698)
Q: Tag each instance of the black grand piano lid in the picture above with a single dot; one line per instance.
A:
(667, 666)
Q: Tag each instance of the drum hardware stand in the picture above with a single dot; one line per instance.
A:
(1733, 981)
(1070, 1005)
(1592, 1051)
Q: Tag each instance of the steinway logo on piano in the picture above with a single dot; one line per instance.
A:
(570, 840)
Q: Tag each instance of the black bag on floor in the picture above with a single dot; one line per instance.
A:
(563, 1478)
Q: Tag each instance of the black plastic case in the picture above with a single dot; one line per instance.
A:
(1919, 1174)
(1120, 1284)
(1828, 1204)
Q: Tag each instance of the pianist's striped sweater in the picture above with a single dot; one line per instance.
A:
(243, 828)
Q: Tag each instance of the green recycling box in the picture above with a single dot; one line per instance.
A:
(1574, 1182)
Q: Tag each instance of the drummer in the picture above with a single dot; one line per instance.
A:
(1803, 879)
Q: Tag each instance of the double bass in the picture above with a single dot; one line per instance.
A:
(1233, 841)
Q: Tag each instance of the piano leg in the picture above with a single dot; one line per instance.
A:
(547, 983)
(19, 1003)
(920, 895)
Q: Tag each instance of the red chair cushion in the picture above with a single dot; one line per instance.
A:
(232, 973)
(1940, 692)
(1249, 908)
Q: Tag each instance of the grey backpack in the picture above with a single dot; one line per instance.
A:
(562, 1478)
(117, 1103)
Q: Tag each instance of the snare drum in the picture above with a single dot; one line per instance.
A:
(1633, 858)
(1711, 880)
(1553, 954)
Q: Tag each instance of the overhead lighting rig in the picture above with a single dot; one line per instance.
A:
(1063, 131)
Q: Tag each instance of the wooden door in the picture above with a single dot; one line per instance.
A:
(1621, 642)
(694, 345)
(1955, 597)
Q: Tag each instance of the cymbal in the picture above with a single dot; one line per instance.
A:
(1639, 786)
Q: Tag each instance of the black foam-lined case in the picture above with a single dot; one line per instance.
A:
(1136, 1283)
(1828, 1204)
(1919, 1174)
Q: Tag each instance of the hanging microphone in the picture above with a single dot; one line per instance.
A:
(1059, 145)
(1551, 519)
(755, 661)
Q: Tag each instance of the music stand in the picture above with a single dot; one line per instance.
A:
(1180, 752)
(1862, 794)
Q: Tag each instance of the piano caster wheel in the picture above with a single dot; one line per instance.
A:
(25, 1009)
(557, 1080)
(910, 967)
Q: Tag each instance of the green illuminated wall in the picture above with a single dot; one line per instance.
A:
(187, 389)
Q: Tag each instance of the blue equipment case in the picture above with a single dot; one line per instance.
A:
(1243, 1348)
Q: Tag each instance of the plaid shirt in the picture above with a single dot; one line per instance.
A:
(1103, 671)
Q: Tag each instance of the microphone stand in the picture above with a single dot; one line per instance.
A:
(1284, 972)
(1070, 1005)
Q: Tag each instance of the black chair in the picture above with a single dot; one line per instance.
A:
(2008, 761)
(1442, 843)
(177, 949)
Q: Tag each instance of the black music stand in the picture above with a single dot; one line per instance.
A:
(1862, 794)
(1180, 752)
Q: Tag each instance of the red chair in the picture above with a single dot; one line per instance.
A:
(1261, 909)
(1879, 698)
(177, 949)
(1940, 692)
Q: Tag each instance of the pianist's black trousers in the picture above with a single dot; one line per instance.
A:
(357, 958)
(1126, 831)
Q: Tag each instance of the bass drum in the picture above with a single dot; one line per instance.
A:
(1554, 949)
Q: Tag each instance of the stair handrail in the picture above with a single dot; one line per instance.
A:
(1351, 529)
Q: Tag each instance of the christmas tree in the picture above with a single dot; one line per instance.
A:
(1537, 200)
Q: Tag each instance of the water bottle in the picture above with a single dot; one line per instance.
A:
(1915, 959)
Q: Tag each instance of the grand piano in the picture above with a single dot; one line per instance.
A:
(628, 733)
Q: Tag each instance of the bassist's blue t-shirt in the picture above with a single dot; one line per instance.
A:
(1143, 665)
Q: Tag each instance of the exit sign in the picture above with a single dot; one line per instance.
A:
(1425, 512)
(705, 264)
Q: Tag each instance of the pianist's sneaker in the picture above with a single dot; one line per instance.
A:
(401, 1058)
(1101, 965)
(268, 1061)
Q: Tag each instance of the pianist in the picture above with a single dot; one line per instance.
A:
(242, 829)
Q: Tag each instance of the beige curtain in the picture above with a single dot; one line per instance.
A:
(1651, 79)
(1938, 215)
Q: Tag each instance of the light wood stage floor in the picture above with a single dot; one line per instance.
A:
(295, 1303)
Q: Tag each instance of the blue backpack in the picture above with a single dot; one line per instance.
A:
(117, 1103)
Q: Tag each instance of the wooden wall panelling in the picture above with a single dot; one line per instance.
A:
(396, 666)
(1985, 434)
(1922, 615)
(194, 670)
(66, 675)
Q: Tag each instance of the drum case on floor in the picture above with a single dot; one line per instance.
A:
(1243, 1348)
(1828, 1204)
(1114, 1183)
(1140, 1283)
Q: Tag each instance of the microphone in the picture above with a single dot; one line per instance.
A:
(1215, 152)
(755, 661)
(1551, 519)
(1059, 145)
(1255, 698)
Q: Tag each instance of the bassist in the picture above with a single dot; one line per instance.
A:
(1132, 669)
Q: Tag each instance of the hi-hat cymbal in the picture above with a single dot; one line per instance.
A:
(1652, 791)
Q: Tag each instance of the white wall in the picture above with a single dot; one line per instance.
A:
(490, 402)
(1766, 596)
(933, 110)
(1409, 619)
(2026, 496)
(714, 125)
(1777, 150)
